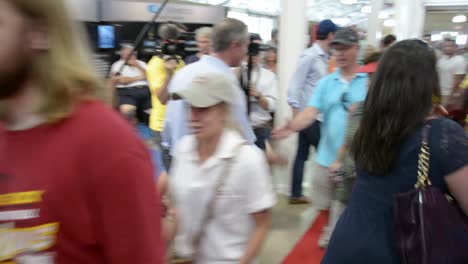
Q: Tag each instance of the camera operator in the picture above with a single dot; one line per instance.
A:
(161, 69)
(263, 92)
(132, 88)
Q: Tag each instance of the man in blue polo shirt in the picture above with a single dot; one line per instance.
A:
(333, 97)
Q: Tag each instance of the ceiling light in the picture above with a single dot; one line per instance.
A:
(320, 16)
(389, 23)
(459, 19)
(342, 21)
(461, 39)
(378, 35)
(349, 2)
(217, 2)
(366, 9)
(436, 37)
(449, 34)
(383, 15)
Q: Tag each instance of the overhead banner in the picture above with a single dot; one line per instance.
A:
(83, 10)
(143, 11)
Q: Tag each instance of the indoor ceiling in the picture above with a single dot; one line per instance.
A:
(343, 12)
(348, 12)
(442, 22)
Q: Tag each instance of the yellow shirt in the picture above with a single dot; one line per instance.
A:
(156, 74)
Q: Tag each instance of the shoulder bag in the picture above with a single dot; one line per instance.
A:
(430, 226)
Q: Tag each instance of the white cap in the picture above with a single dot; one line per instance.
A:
(208, 89)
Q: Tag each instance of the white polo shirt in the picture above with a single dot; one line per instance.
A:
(266, 84)
(129, 71)
(248, 189)
(448, 67)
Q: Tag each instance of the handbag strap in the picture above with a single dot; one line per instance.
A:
(423, 162)
(219, 189)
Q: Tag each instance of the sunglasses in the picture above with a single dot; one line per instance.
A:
(345, 101)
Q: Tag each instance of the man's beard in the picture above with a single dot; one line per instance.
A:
(12, 81)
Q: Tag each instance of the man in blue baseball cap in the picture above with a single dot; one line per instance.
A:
(313, 66)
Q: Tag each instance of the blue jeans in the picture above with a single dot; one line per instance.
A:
(310, 136)
(262, 134)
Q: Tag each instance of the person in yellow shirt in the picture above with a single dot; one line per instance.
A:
(159, 73)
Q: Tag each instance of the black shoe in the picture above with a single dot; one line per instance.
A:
(299, 200)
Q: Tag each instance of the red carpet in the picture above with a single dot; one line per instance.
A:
(306, 250)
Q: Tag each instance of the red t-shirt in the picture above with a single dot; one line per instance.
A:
(78, 191)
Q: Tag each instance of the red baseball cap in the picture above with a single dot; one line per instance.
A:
(368, 68)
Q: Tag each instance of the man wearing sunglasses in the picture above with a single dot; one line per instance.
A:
(333, 96)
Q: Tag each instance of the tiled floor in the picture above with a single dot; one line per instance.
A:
(289, 224)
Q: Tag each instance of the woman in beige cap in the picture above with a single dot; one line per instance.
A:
(220, 185)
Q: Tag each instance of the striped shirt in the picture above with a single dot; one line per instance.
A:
(312, 67)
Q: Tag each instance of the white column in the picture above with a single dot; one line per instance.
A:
(374, 23)
(409, 16)
(292, 42)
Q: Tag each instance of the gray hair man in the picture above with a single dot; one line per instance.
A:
(230, 42)
(203, 37)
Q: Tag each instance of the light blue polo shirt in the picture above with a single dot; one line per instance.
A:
(177, 112)
(327, 98)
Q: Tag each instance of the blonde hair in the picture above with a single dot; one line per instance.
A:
(64, 72)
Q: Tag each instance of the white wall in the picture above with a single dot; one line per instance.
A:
(409, 16)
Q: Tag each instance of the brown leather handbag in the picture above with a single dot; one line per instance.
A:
(430, 226)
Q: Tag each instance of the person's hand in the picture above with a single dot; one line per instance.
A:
(126, 80)
(253, 91)
(336, 166)
(282, 132)
(115, 80)
(439, 111)
(334, 169)
(170, 64)
(132, 62)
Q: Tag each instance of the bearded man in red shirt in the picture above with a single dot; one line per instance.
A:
(76, 183)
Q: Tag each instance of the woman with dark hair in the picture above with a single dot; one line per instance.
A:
(401, 101)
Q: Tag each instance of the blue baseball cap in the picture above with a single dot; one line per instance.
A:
(326, 26)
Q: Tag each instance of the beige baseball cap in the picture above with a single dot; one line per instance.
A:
(208, 89)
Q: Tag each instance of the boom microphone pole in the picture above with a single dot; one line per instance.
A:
(253, 51)
(139, 40)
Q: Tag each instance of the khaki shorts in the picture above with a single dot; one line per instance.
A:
(322, 188)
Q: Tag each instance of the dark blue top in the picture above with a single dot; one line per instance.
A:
(364, 233)
(191, 59)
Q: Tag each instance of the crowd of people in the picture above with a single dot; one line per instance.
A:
(78, 185)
